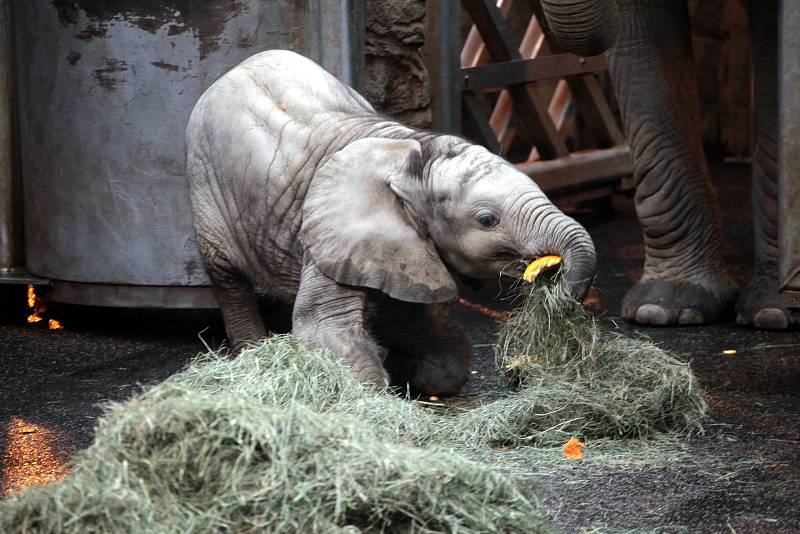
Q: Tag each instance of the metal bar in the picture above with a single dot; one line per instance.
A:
(497, 38)
(582, 169)
(356, 14)
(341, 37)
(133, 296)
(19, 275)
(789, 153)
(11, 253)
(441, 56)
(496, 75)
(478, 112)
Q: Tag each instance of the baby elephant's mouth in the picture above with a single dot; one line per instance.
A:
(527, 269)
(510, 264)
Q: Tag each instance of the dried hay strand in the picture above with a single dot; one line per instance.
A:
(284, 439)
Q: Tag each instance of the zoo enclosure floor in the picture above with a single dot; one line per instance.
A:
(52, 381)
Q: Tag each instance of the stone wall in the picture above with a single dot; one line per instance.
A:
(395, 78)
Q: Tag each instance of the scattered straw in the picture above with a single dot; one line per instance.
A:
(284, 439)
(281, 439)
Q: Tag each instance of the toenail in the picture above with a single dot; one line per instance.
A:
(690, 316)
(651, 314)
(771, 319)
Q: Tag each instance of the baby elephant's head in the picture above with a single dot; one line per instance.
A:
(379, 213)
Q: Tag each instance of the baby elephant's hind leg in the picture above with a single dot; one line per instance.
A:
(237, 302)
(428, 353)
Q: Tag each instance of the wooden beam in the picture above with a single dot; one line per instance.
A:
(474, 51)
(581, 169)
(497, 38)
(493, 76)
(532, 45)
(592, 105)
(566, 201)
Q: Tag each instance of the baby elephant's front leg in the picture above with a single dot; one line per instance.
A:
(332, 315)
(428, 353)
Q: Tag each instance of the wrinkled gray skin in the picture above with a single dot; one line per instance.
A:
(301, 192)
(685, 279)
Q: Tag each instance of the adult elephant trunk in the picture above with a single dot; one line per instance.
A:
(583, 27)
(561, 235)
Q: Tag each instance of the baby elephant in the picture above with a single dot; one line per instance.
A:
(301, 192)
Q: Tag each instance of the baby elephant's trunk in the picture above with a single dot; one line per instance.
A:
(563, 236)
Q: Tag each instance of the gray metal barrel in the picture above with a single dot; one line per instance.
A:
(105, 90)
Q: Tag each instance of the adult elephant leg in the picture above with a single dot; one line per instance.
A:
(332, 315)
(428, 353)
(760, 304)
(685, 280)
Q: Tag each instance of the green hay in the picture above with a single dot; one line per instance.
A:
(182, 460)
(284, 439)
(281, 439)
(582, 381)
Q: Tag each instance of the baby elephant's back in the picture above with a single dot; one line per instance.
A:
(263, 113)
(298, 85)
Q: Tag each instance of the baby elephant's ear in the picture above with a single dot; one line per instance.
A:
(357, 230)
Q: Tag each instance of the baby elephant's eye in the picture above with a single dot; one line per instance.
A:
(487, 219)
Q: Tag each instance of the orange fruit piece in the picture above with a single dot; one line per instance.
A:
(538, 265)
(573, 449)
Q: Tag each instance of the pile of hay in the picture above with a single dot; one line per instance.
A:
(575, 379)
(281, 439)
(284, 439)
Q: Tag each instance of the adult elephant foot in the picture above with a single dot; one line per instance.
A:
(680, 302)
(761, 306)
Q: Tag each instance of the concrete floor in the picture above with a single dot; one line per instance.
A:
(743, 476)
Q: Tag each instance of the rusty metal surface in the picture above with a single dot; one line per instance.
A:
(789, 153)
(10, 227)
(18, 275)
(133, 296)
(106, 89)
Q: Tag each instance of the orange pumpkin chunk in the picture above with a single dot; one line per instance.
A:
(573, 449)
(537, 266)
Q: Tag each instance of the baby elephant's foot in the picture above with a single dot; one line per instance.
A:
(663, 303)
(441, 375)
(760, 305)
